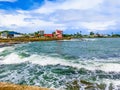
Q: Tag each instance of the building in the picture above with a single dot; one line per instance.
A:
(59, 33)
(10, 34)
(14, 34)
(4, 35)
(48, 35)
(41, 33)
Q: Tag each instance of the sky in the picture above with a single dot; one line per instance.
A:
(71, 16)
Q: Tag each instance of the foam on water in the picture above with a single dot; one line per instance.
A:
(45, 60)
(40, 64)
(81, 39)
(86, 39)
(6, 48)
(71, 40)
(12, 59)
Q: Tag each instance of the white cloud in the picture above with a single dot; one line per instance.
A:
(80, 4)
(9, 19)
(93, 26)
(92, 15)
(51, 7)
(17, 21)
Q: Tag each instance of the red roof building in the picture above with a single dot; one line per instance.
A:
(59, 33)
(48, 35)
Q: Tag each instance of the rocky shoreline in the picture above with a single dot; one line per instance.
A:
(9, 86)
(17, 40)
(12, 41)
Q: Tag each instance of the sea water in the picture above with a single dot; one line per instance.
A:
(53, 64)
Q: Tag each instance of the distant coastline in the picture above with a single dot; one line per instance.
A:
(35, 39)
(22, 39)
(11, 41)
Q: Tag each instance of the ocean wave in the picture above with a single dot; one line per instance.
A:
(81, 39)
(6, 48)
(88, 39)
(55, 72)
(55, 76)
(72, 40)
(110, 65)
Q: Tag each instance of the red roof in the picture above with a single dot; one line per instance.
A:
(59, 31)
(48, 35)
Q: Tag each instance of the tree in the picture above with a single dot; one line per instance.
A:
(37, 34)
(91, 33)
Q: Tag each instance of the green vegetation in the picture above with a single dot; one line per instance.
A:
(91, 35)
(116, 35)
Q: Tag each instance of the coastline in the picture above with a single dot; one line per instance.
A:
(11, 41)
(9, 86)
(22, 39)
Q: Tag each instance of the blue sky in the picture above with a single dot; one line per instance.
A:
(71, 16)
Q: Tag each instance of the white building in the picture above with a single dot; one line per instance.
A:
(4, 35)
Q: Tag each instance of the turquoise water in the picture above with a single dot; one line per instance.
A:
(52, 64)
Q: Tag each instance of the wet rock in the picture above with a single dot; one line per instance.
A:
(111, 86)
(101, 86)
(85, 85)
(85, 82)
(73, 86)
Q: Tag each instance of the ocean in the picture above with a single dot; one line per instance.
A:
(57, 64)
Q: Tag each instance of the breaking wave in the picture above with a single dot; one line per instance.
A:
(48, 67)
(41, 64)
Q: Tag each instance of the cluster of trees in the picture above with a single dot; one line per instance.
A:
(115, 35)
(91, 35)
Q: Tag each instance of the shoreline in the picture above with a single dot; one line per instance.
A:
(13, 41)
(4, 42)
(22, 39)
(9, 86)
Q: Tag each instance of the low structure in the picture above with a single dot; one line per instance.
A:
(10, 34)
(41, 32)
(14, 34)
(59, 33)
(48, 35)
(4, 35)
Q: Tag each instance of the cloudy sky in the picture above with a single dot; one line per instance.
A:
(71, 16)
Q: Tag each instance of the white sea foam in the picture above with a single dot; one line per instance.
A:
(44, 60)
(87, 39)
(6, 48)
(82, 39)
(72, 40)
(12, 59)
(115, 84)
(2, 49)
(109, 67)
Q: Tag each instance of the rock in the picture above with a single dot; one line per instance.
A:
(85, 82)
